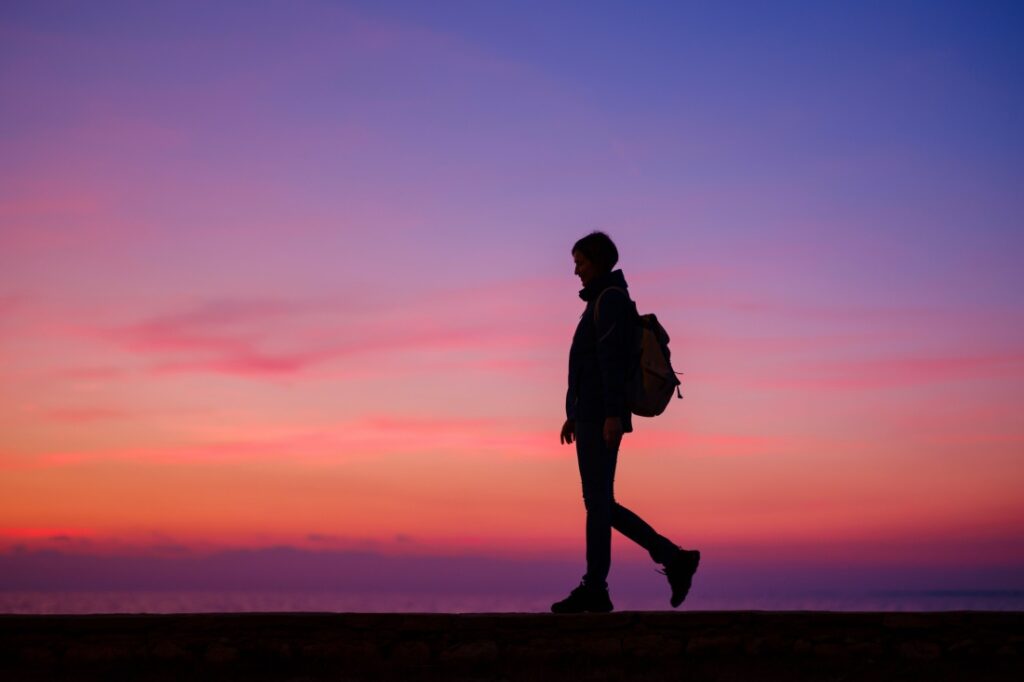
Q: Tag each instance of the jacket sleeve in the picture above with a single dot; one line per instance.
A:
(613, 327)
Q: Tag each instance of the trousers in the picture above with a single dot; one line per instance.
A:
(597, 473)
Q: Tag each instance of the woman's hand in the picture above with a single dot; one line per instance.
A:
(613, 432)
(568, 431)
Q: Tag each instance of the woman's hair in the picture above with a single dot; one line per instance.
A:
(599, 250)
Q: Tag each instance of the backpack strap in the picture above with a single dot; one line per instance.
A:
(597, 303)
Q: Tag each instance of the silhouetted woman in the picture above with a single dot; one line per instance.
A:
(596, 418)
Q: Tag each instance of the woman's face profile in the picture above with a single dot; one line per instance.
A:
(585, 269)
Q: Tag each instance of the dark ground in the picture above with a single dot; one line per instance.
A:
(739, 645)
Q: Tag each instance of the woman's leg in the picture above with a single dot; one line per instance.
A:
(597, 472)
(661, 549)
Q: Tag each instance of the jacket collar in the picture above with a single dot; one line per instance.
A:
(615, 278)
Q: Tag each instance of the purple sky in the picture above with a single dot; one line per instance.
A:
(276, 271)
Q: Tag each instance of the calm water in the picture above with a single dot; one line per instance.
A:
(243, 601)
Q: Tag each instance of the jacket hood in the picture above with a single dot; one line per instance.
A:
(615, 278)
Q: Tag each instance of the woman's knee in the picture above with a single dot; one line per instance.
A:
(598, 501)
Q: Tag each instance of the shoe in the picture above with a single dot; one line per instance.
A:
(584, 599)
(680, 572)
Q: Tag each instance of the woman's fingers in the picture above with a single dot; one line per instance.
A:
(567, 434)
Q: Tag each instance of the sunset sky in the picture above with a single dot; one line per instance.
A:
(299, 274)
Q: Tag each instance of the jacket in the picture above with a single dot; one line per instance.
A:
(600, 355)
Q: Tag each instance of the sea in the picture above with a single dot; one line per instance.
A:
(243, 601)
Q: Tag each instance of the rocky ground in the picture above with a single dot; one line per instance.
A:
(628, 645)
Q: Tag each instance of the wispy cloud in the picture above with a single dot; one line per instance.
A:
(221, 336)
(384, 436)
(77, 415)
(93, 373)
(893, 371)
(269, 338)
(706, 444)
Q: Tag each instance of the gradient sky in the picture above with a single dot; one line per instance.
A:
(298, 273)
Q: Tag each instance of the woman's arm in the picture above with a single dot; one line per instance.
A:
(613, 334)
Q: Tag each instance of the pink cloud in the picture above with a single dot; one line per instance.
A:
(761, 345)
(210, 452)
(940, 420)
(382, 436)
(513, 366)
(427, 426)
(76, 415)
(90, 373)
(456, 436)
(371, 436)
(787, 310)
(199, 329)
(235, 336)
(703, 444)
(44, 532)
(865, 320)
(219, 337)
(901, 371)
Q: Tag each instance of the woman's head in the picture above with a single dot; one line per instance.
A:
(594, 255)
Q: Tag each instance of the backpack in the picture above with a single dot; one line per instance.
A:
(652, 381)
